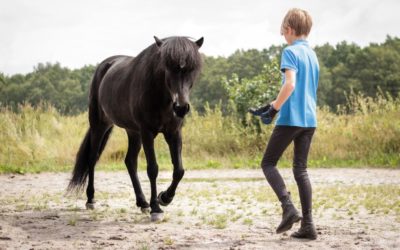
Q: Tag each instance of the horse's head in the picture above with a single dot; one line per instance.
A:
(181, 62)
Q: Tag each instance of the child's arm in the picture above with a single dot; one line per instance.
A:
(286, 89)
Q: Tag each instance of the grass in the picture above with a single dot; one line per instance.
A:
(194, 211)
(73, 220)
(144, 246)
(219, 221)
(39, 139)
(248, 222)
(168, 241)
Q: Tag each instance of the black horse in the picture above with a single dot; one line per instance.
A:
(145, 95)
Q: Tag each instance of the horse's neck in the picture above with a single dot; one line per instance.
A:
(156, 90)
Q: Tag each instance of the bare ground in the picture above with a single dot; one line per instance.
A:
(224, 209)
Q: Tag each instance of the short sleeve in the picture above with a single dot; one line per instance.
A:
(288, 60)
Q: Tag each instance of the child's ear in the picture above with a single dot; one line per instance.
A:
(289, 31)
(292, 32)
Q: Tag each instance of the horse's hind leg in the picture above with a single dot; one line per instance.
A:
(174, 141)
(135, 144)
(99, 137)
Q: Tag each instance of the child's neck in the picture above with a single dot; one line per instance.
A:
(295, 38)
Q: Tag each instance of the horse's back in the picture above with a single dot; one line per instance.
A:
(115, 59)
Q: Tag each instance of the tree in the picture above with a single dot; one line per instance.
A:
(259, 90)
(344, 68)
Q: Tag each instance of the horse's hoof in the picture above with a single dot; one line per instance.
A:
(145, 210)
(90, 206)
(160, 201)
(154, 217)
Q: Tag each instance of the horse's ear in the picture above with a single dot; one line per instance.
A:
(158, 41)
(200, 42)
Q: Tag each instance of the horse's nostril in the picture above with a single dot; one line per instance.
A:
(181, 111)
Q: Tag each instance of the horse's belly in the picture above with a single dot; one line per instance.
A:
(120, 120)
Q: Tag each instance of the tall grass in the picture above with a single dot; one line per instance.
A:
(366, 133)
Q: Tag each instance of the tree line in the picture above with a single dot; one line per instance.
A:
(344, 68)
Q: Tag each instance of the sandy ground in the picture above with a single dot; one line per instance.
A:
(224, 209)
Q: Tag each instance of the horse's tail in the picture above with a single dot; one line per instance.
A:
(81, 169)
(84, 158)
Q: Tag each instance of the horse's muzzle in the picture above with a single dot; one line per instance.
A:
(181, 111)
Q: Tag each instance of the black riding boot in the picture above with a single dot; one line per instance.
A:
(307, 229)
(290, 215)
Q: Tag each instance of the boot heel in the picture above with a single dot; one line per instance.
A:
(306, 232)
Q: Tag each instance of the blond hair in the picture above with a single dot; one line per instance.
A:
(299, 20)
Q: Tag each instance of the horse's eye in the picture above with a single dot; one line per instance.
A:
(174, 70)
(186, 70)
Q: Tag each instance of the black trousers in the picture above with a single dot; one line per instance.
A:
(280, 139)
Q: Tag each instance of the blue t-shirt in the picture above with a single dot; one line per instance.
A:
(300, 108)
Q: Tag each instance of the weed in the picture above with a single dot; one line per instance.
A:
(144, 246)
(168, 241)
(219, 221)
(236, 217)
(72, 220)
(180, 213)
(248, 222)
(194, 211)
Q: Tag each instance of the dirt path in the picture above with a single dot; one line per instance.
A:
(224, 209)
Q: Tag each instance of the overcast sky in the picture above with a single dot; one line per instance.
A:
(79, 32)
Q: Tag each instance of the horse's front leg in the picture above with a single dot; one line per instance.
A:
(135, 143)
(152, 172)
(174, 141)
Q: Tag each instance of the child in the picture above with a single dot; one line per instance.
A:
(296, 108)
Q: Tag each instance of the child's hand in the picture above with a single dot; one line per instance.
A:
(268, 116)
(260, 110)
